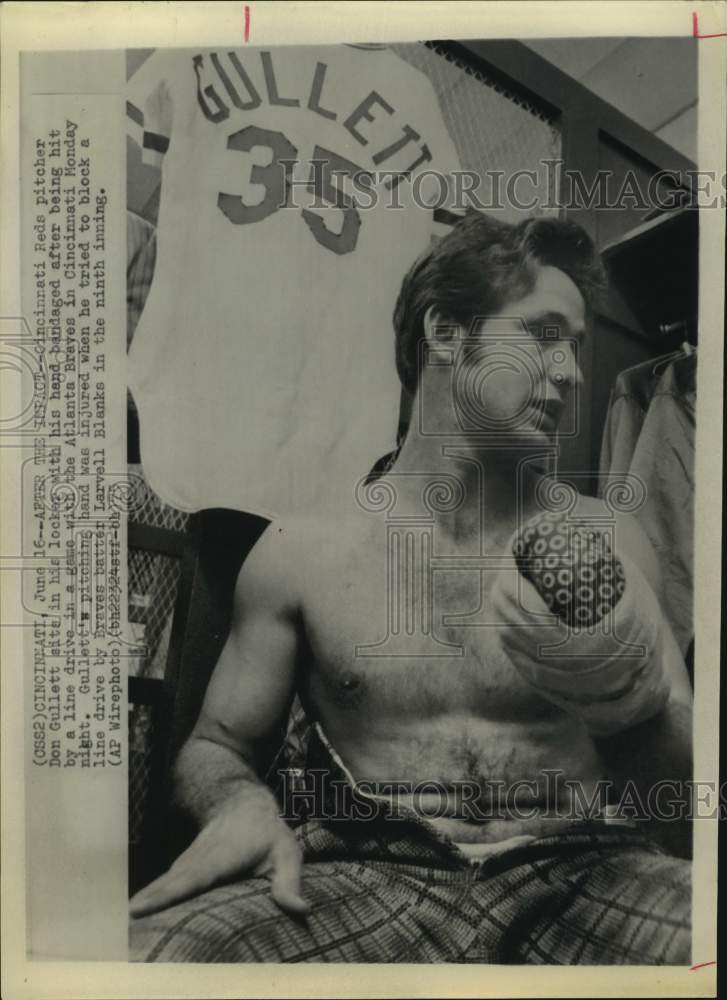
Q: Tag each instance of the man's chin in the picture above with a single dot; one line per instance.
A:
(534, 437)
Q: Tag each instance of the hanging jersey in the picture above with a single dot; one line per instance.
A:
(263, 364)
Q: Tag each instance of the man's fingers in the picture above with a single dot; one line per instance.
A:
(162, 893)
(167, 890)
(200, 868)
(286, 877)
(185, 878)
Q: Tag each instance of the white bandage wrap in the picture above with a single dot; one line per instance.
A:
(610, 674)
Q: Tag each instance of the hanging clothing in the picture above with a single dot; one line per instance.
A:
(650, 433)
(263, 363)
(141, 251)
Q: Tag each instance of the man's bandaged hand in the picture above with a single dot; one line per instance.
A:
(573, 568)
(609, 673)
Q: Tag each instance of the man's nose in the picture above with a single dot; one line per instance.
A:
(564, 370)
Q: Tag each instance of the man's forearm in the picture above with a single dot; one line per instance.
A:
(241, 832)
(208, 775)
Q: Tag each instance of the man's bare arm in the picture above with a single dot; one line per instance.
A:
(217, 772)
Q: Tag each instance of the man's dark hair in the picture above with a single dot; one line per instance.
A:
(480, 265)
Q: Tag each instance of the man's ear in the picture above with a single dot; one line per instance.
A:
(439, 330)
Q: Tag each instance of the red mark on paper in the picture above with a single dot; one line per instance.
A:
(695, 34)
(247, 23)
(702, 965)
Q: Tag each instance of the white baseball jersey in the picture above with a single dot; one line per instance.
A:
(263, 364)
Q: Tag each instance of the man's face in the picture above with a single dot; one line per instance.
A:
(514, 376)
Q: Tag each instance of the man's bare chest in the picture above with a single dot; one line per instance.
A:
(398, 635)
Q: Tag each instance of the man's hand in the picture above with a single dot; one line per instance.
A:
(610, 675)
(246, 837)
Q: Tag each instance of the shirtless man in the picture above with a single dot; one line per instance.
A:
(440, 700)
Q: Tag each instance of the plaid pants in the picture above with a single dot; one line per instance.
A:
(394, 889)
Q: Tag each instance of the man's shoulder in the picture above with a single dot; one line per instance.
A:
(295, 549)
(302, 534)
(599, 509)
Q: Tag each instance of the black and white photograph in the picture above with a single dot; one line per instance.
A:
(369, 602)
